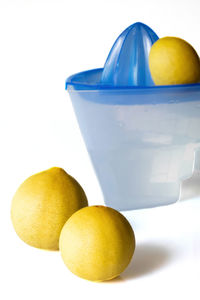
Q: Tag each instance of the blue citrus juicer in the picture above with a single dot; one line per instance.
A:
(142, 139)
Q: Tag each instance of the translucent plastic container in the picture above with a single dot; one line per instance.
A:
(141, 139)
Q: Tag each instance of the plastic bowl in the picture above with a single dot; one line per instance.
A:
(141, 140)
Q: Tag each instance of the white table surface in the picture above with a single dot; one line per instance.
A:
(165, 265)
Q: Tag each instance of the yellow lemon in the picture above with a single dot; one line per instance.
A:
(97, 243)
(174, 61)
(42, 205)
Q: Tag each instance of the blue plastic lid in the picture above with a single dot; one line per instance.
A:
(127, 65)
(91, 80)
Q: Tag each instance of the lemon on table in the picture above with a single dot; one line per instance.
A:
(174, 61)
(42, 205)
(97, 243)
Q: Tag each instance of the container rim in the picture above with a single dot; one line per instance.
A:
(90, 80)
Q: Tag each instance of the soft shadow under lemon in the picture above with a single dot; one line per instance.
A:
(147, 259)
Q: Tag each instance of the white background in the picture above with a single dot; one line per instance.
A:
(41, 43)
